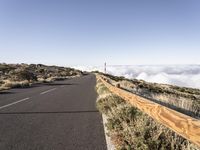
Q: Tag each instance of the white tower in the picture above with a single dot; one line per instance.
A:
(105, 67)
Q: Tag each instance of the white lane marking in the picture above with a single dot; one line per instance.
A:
(47, 91)
(14, 103)
(62, 86)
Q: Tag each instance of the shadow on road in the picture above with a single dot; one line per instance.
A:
(36, 85)
(49, 112)
(6, 92)
(57, 84)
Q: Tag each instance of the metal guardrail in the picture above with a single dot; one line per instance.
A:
(183, 125)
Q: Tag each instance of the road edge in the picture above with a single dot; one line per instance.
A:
(109, 144)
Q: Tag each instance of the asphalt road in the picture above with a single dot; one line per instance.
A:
(57, 116)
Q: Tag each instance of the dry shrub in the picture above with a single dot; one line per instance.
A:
(16, 84)
(129, 128)
(2, 88)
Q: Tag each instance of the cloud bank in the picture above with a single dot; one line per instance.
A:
(181, 75)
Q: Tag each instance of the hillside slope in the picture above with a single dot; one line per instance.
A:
(23, 75)
(182, 99)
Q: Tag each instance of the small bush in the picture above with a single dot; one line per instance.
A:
(12, 84)
(2, 88)
(25, 75)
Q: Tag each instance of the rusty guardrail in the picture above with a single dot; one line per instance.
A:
(183, 125)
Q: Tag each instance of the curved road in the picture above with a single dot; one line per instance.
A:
(57, 116)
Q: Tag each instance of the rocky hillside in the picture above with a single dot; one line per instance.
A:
(22, 75)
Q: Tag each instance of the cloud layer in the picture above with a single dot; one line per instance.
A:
(181, 75)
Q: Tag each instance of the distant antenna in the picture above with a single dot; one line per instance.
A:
(105, 67)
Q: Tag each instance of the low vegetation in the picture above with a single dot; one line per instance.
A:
(24, 75)
(131, 129)
(182, 99)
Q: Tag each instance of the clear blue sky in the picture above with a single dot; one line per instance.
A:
(89, 32)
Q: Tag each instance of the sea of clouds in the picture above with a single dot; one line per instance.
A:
(181, 75)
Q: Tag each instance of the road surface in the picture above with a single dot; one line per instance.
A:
(57, 116)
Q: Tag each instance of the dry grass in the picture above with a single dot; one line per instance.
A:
(14, 84)
(131, 129)
(2, 88)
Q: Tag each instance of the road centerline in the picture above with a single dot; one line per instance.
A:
(48, 91)
(19, 101)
